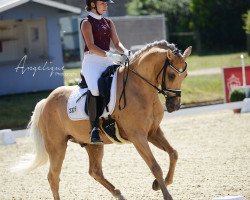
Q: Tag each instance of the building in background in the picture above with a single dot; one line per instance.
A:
(30, 45)
(136, 31)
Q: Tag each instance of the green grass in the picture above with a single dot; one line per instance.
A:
(216, 61)
(201, 89)
(16, 110)
(205, 88)
(71, 74)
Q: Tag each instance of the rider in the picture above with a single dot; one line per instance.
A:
(97, 32)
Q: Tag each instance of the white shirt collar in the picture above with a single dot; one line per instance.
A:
(95, 15)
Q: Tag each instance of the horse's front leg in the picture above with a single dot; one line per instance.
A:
(141, 144)
(159, 140)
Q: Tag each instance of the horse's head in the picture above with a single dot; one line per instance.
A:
(161, 63)
(171, 75)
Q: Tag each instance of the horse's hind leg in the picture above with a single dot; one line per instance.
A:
(159, 140)
(95, 153)
(56, 148)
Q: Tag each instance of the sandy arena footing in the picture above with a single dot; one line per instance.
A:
(214, 160)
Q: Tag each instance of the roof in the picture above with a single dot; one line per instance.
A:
(9, 4)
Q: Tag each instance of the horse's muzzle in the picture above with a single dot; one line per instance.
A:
(173, 104)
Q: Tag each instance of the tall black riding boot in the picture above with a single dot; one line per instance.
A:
(93, 118)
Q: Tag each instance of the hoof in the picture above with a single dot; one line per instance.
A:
(121, 198)
(167, 196)
(155, 185)
(118, 195)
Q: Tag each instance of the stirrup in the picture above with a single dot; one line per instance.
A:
(95, 138)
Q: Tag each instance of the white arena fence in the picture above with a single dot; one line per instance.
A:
(205, 109)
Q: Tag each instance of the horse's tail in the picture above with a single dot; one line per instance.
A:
(40, 156)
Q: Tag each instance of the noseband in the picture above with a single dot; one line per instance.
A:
(165, 91)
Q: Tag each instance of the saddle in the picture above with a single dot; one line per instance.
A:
(104, 85)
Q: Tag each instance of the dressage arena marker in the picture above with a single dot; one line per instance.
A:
(7, 136)
(229, 198)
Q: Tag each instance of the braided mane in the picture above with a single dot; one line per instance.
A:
(161, 44)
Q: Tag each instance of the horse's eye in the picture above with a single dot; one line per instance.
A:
(171, 77)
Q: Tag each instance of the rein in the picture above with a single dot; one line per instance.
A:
(164, 91)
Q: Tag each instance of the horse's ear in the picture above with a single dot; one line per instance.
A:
(187, 52)
(170, 55)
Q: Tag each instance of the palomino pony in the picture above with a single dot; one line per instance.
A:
(159, 63)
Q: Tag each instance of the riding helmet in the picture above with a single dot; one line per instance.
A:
(108, 1)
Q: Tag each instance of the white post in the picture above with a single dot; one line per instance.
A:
(243, 74)
(229, 198)
(243, 70)
(7, 136)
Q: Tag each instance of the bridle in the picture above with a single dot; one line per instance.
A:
(164, 91)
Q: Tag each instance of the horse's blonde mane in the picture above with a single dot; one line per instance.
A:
(161, 44)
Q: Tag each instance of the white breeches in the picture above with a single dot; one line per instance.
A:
(92, 68)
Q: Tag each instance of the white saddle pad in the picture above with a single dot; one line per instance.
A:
(76, 103)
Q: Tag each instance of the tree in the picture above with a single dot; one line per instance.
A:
(246, 18)
(219, 23)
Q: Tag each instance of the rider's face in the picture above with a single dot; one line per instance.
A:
(102, 7)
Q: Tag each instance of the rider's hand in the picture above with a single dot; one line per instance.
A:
(127, 53)
(116, 58)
